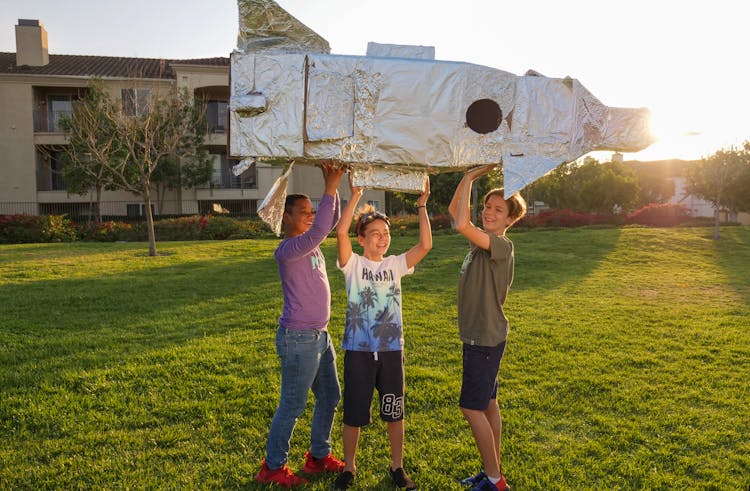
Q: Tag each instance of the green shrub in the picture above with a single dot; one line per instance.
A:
(15, 229)
(660, 215)
(111, 231)
(568, 218)
(222, 228)
(207, 227)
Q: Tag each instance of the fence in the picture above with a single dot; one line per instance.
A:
(135, 210)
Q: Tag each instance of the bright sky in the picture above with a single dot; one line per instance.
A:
(684, 60)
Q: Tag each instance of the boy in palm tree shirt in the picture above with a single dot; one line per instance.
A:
(373, 337)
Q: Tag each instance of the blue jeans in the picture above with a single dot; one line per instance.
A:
(308, 361)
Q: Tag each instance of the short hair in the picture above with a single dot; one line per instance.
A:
(516, 203)
(366, 215)
(291, 199)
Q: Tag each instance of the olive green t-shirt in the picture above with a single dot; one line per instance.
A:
(486, 276)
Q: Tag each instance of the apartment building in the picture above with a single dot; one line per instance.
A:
(38, 88)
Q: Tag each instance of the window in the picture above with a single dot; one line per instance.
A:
(49, 175)
(222, 176)
(216, 116)
(56, 171)
(58, 106)
(235, 207)
(135, 210)
(135, 101)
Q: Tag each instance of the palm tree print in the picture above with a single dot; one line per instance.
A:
(354, 319)
(368, 297)
(394, 293)
(384, 329)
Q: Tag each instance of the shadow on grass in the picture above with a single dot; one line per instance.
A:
(733, 255)
(550, 258)
(53, 325)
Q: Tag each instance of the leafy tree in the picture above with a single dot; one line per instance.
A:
(442, 187)
(724, 180)
(169, 129)
(94, 145)
(588, 186)
(172, 173)
(611, 186)
(656, 180)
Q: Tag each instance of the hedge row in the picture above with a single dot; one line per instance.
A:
(53, 228)
(652, 215)
(15, 229)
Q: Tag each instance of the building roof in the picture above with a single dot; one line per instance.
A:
(104, 66)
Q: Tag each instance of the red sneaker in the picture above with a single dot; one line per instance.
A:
(283, 476)
(329, 463)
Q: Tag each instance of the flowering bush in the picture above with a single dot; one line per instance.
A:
(183, 228)
(112, 231)
(660, 215)
(567, 218)
(15, 229)
(206, 227)
(402, 224)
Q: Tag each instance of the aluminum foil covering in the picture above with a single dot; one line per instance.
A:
(271, 210)
(244, 165)
(390, 178)
(276, 133)
(265, 26)
(401, 51)
(397, 113)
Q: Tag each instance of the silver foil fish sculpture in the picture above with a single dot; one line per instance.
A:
(397, 114)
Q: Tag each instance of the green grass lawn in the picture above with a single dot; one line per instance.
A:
(628, 364)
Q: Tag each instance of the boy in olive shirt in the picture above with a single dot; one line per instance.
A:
(486, 275)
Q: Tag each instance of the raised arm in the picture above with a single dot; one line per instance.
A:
(345, 223)
(332, 174)
(460, 207)
(419, 251)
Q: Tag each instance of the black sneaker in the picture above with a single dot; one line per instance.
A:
(343, 480)
(401, 479)
(473, 480)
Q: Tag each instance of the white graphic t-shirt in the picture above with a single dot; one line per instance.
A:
(373, 313)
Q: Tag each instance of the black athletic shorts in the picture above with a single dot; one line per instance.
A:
(364, 372)
(479, 383)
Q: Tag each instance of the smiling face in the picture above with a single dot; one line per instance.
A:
(298, 217)
(375, 239)
(495, 217)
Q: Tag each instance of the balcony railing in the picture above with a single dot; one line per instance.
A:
(46, 121)
(133, 210)
(227, 180)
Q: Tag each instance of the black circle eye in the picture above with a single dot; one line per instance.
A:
(484, 116)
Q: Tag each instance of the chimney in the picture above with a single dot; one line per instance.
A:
(31, 43)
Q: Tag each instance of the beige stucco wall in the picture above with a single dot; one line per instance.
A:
(195, 76)
(17, 153)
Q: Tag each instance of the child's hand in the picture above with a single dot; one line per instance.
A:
(332, 173)
(356, 190)
(422, 200)
(482, 170)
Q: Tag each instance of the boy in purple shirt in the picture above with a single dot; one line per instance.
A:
(308, 359)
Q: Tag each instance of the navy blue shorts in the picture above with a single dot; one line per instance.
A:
(479, 382)
(363, 373)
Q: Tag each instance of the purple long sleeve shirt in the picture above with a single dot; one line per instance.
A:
(302, 269)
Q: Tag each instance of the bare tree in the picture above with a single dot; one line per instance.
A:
(94, 144)
(724, 180)
(171, 126)
(126, 143)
